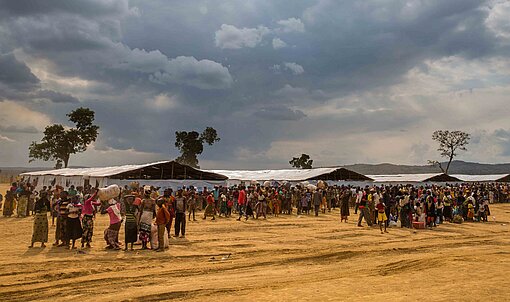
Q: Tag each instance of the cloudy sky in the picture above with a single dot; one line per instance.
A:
(344, 81)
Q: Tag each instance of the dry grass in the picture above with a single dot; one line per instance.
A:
(278, 259)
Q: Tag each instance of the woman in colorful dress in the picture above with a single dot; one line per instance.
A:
(40, 233)
(146, 216)
(9, 204)
(22, 208)
(111, 234)
(131, 227)
(87, 221)
(223, 204)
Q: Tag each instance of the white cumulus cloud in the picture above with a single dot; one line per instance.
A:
(278, 43)
(294, 68)
(291, 25)
(231, 37)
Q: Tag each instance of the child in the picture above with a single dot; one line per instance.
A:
(162, 219)
(471, 211)
(381, 215)
(74, 229)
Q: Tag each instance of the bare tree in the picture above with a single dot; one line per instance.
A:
(449, 143)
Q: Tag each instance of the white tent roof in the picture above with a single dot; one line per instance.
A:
(403, 178)
(284, 174)
(479, 178)
(91, 172)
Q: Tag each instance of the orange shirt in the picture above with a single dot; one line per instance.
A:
(162, 216)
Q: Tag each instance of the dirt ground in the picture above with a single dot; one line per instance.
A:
(278, 259)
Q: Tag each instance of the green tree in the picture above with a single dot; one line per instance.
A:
(191, 144)
(59, 143)
(449, 143)
(302, 162)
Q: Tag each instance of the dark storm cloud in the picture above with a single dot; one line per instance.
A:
(54, 96)
(15, 73)
(280, 113)
(213, 63)
(17, 82)
(94, 7)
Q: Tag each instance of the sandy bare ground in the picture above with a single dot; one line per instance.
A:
(278, 259)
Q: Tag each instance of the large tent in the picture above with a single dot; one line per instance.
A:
(413, 178)
(170, 174)
(293, 175)
(162, 174)
(483, 178)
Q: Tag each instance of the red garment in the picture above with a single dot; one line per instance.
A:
(210, 199)
(241, 198)
(380, 207)
(162, 216)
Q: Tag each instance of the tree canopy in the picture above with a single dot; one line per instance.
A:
(449, 143)
(191, 144)
(60, 142)
(302, 162)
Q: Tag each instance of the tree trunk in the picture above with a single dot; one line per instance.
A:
(449, 162)
(66, 161)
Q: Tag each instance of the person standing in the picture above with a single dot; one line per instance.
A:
(317, 199)
(147, 214)
(74, 230)
(40, 233)
(180, 215)
(87, 221)
(192, 205)
(223, 204)
(344, 205)
(373, 201)
(162, 219)
(170, 206)
(111, 234)
(430, 210)
(363, 211)
(209, 209)
(381, 215)
(131, 226)
(359, 196)
(9, 204)
(241, 201)
(61, 207)
(23, 194)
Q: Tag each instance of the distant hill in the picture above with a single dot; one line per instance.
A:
(457, 167)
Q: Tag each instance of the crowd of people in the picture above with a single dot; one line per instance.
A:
(148, 213)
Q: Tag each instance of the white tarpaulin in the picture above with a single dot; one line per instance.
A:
(403, 178)
(480, 178)
(284, 174)
(92, 172)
